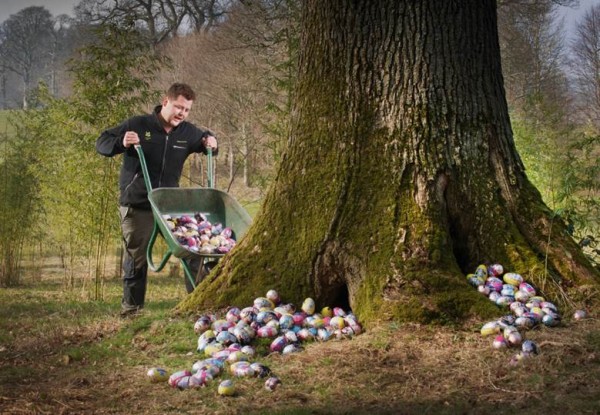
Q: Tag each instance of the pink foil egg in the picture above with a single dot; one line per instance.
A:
(272, 383)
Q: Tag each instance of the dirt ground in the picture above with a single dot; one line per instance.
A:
(63, 355)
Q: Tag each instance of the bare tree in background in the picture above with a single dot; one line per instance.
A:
(160, 18)
(586, 65)
(24, 44)
(533, 52)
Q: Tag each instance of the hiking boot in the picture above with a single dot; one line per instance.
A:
(130, 312)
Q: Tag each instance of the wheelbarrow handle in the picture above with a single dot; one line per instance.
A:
(140, 152)
(209, 168)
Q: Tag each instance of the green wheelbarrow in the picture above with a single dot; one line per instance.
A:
(215, 205)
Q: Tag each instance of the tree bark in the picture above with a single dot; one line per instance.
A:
(401, 174)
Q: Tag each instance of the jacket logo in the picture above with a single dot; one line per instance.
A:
(147, 135)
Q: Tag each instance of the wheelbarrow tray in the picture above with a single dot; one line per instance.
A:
(216, 205)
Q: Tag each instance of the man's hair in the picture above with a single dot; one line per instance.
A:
(181, 89)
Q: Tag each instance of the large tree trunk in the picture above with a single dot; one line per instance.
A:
(400, 175)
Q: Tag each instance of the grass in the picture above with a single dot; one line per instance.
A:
(62, 354)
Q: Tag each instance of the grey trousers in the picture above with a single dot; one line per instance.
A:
(136, 227)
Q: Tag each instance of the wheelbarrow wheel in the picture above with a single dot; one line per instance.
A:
(202, 272)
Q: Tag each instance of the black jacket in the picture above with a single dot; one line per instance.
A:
(165, 154)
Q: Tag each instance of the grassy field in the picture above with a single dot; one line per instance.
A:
(62, 354)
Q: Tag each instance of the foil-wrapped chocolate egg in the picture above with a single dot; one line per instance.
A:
(243, 335)
(550, 321)
(273, 296)
(337, 322)
(221, 325)
(530, 347)
(499, 342)
(226, 338)
(308, 306)
(481, 271)
(495, 270)
(237, 357)
(263, 317)
(326, 312)
(527, 288)
(291, 348)
(266, 331)
(248, 314)
(200, 379)
(157, 374)
(202, 324)
(221, 354)
(514, 338)
(260, 370)
(278, 344)
(505, 300)
(524, 322)
(263, 302)
(290, 336)
(494, 295)
(226, 388)
(233, 315)
(286, 321)
(324, 334)
(175, 378)
(512, 278)
(494, 283)
(476, 282)
(339, 312)
(522, 296)
(508, 290)
(305, 335)
(298, 318)
(490, 328)
(484, 290)
(272, 383)
(241, 369)
(213, 348)
(248, 351)
(579, 315)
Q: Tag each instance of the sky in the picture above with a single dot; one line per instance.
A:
(56, 7)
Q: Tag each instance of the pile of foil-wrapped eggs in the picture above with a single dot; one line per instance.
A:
(528, 309)
(227, 343)
(195, 233)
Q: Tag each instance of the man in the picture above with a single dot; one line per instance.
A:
(167, 140)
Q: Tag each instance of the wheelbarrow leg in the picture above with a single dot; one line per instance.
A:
(195, 271)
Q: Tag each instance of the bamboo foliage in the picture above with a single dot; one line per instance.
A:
(78, 188)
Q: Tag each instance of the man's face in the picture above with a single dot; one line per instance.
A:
(174, 111)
